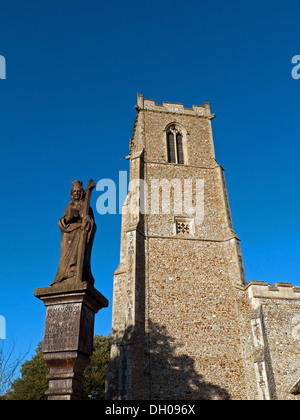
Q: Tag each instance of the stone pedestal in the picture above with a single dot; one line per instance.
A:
(68, 338)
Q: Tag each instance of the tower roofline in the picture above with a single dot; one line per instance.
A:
(173, 107)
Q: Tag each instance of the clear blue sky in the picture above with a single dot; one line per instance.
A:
(74, 69)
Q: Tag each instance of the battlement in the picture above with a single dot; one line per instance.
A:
(263, 290)
(176, 108)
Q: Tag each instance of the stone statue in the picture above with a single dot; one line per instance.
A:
(77, 235)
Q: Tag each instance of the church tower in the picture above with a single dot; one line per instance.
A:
(181, 313)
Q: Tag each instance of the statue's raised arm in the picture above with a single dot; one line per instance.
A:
(77, 235)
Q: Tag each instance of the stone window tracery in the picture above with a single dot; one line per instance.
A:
(175, 145)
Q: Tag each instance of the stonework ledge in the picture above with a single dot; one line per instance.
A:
(61, 293)
(261, 289)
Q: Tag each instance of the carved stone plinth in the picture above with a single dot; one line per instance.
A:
(68, 338)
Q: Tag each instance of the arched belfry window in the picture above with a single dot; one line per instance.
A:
(175, 145)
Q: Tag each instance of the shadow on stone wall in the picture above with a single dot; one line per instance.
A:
(173, 375)
(159, 370)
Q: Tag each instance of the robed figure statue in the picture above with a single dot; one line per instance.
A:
(77, 235)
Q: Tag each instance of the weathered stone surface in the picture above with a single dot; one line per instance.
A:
(185, 323)
(68, 338)
(296, 389)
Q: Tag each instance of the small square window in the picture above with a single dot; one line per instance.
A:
(184, 226)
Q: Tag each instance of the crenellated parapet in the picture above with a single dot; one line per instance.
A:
(263, 290)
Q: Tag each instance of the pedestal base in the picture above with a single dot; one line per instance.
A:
(68, 338)
(66, 375)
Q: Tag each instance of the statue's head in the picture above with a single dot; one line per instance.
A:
(77, 192)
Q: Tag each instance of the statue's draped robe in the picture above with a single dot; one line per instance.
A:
(71, 243)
